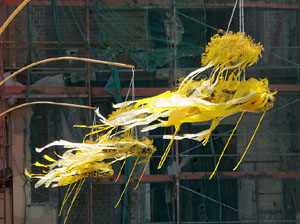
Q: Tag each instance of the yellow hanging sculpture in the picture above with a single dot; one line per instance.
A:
(222, 94)
(211, 99)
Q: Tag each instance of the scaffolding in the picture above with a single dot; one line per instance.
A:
(165, 41)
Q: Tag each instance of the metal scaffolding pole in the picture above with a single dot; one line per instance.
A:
(3, 132)
(166, 3)
(88, 69)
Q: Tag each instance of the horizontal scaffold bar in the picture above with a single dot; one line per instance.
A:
(157, 178)
(66, 92)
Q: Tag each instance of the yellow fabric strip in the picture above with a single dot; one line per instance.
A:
(49, 158)
(40, 164)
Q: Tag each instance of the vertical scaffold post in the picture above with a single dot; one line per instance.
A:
(88, 69)
(3, 140)
(174, 34)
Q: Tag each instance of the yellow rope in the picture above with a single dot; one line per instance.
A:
(137, 159)
(121, 169)
(250, 141)
(46, 102)
(211, 176)
(164, 157)
(13, 15)
(64, 58)
(142, 174)
(68, 194)
(75, 196)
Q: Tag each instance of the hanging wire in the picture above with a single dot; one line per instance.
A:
(268, 51)
(282, 58)
(240, 29)
(133, 96)
(230, 20)
(243, 18)
(197, 21)
(243, 29)
(220, 203)
(131, 87)
(240, 16)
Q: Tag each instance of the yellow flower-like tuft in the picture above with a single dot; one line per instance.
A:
(231, 50)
